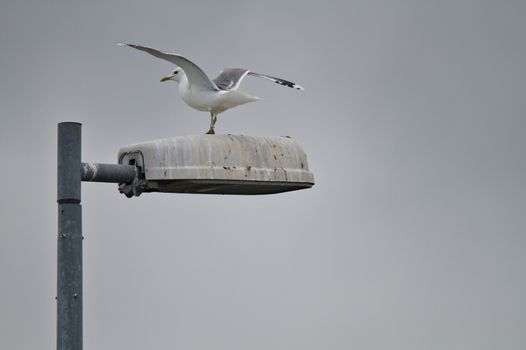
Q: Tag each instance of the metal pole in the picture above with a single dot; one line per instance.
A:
(116, 173)
(69, 248)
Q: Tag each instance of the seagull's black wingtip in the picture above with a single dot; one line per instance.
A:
(129, 45)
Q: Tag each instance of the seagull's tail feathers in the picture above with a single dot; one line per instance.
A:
(232, 99)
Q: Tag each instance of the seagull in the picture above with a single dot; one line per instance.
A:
(201, 93)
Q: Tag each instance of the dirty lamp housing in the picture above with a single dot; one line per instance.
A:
(216, 164)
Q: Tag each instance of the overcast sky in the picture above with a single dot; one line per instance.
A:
(413, 119)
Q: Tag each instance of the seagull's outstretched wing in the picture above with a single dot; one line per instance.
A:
(277, 80)
(230, 78)
(196, 76)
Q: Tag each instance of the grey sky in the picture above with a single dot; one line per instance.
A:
(413, 120)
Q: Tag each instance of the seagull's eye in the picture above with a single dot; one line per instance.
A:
(175, 72)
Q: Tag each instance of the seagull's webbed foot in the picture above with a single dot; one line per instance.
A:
(210, 132)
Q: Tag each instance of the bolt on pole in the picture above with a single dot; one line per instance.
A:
(69, 247)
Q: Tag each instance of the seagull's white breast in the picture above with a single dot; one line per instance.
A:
(202, 100)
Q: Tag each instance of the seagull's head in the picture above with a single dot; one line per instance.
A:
(176, 75)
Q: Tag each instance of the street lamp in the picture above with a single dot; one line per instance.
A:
(210, 164)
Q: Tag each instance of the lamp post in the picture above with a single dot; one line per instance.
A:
(214, 164)
(70, 173)
(69, 248)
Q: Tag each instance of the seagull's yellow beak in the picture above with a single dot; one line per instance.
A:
(165, 79)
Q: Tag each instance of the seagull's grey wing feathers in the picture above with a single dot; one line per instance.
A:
(277, 80)
(196, 76)
(230, 78)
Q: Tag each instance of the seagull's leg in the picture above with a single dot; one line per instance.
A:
(213, 119)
